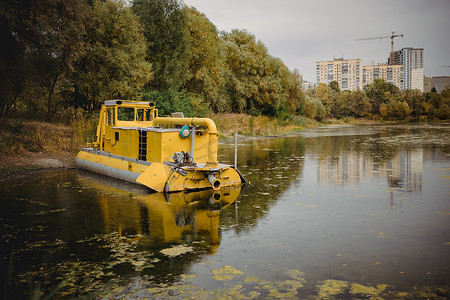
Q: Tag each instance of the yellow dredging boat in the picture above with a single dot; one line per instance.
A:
(166, 154)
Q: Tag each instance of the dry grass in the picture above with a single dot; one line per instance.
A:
(228, 124)
(18, 136)
(27, 146)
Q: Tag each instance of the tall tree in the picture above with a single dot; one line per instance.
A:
(242, 53)
(115, 65)
(49, 37)
(377, 92)
(257, 82)
(206, 59)
(414, 98)
(12, 68)
(328, 96)
(296, 99)
(359, 104)
(164, 23)
(335, 86)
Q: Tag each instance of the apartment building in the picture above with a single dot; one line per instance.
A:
(348, 73)
(412, 61)
(404, 70)
(307, 85)
(390, 73)
(439, 83)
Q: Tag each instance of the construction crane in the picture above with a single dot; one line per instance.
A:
(392, 36)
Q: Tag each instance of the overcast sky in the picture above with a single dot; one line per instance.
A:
(303, 32)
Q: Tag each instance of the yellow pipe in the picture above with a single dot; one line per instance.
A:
(206, 122)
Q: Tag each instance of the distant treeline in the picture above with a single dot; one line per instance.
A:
(381, 99)
(57, 55)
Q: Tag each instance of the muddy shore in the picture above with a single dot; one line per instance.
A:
(34, 162)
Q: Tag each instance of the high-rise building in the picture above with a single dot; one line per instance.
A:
(348, 73)
(439, 83)
(412, 61)
(390, 73)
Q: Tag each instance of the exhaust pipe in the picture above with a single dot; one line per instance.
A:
(215, 197)
(215, 183)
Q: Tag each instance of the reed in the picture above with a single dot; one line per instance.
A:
(228, 124)
(83, 131)
(19, 136)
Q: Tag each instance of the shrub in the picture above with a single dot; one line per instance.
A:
(397, 109)
(443, 112)
(175, 101)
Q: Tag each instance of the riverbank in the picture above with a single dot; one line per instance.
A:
(29, 162)
(31, 146)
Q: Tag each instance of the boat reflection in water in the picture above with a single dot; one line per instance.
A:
(181, 217)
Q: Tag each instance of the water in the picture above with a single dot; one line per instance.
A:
(336, 212)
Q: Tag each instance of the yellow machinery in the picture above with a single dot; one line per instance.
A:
(165, 154)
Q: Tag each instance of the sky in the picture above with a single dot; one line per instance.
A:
(303, 32)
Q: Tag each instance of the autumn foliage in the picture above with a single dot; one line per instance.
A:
(59, 55)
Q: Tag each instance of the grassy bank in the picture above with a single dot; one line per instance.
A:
(20, 136)
(27, 146)
(228, 124)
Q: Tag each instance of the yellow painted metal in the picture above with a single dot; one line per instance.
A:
(127, 145)
(112, 162)
(197, 179)
(209, 142)
(165, 144)
(131, 131)
(110, 124)
(205, 122)
(155, 176)
(161, 144)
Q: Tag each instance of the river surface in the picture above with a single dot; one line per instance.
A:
(337, 212)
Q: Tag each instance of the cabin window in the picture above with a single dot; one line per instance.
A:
(144, 114)
(148, 115)
(113, 116)
(125, 113)
(140, 114)
(108, 116)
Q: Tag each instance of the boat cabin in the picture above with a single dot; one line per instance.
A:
(133, 129)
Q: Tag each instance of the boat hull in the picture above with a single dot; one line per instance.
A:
(158, 177)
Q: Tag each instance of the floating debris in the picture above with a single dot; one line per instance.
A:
(295, 274)
(187, 277)
(227, 270)
(357, 288)
(223, 277)
(330, 288)
(176, 250)
(226, 273)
